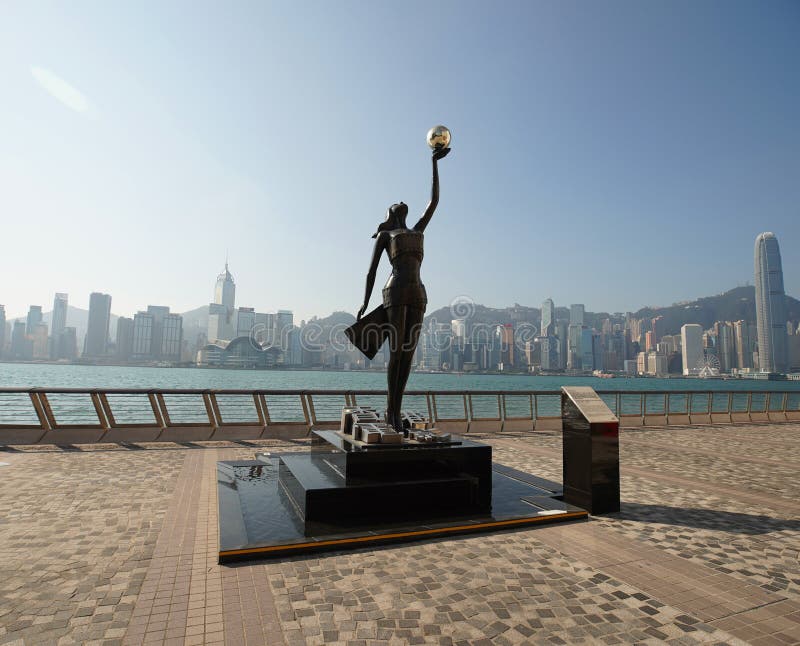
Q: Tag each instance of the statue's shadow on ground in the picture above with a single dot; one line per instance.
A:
(711, 519)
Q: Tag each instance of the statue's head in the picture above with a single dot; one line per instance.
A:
(395, 218)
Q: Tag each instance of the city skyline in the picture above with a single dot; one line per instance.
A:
(659, 163)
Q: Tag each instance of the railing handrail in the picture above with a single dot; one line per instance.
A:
(46, 414)
(360, 391)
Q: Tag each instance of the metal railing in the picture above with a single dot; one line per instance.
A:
(69, 415)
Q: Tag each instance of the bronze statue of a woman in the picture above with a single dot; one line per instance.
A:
(399, 318)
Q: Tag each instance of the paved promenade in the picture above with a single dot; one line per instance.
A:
(113, 545)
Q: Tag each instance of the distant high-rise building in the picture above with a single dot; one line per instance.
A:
(221, 326)
(58, 323)
(265, 328)
(171, 337)
(692, 348)
(741, 340)
(96, 343)
(21, 344)
(2, 330)
(157, 334)
(142, 336)
(657, 328)
(562, 334)
(506, 338)
(459, 328)
(726, 350)
(574, 355)
(34, 318)
(39, 338)
(124, 338)
(245, 321)
(548, 318)
(284, 322)
(587, 349)
(770, 305)
(576, 314)
(549, 352)
(68, 343)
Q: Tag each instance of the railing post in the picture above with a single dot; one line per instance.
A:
(644, 408)
(155, 405)
(535, 411)
(44, 422)
(666, 407)
(48, 411)
(750, 406)
(471, 412)
(308, 410)
(98, 408)
(212, 410)
(466, 414)
(107, 409)
(435, 411)
(501, 409)
(730, 407)
(259, 412)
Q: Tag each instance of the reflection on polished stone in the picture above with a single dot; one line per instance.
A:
(343, 495)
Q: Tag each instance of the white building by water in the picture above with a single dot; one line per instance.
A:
(692, 348)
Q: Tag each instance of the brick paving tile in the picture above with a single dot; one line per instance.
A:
(122, 549)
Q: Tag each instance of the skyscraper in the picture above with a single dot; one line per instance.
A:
(34, 318)
(548, 318)
(576, 313)
(692, 348)
(221, 311)
(770, 305)
(21, 345)
(726, 350)
(245, 321)
(58, 323)
(124, 338)
(96, 343)
(157, 334)
(744, 352)
(284, 322)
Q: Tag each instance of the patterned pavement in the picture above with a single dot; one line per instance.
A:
(116, 545)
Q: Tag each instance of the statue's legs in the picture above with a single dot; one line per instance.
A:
(405, 323)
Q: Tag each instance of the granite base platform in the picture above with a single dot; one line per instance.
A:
(340, 495)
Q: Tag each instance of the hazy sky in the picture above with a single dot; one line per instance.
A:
(617, 154)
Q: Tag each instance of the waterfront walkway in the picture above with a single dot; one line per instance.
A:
(117, 545)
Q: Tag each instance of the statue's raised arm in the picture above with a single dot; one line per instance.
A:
(438, 154)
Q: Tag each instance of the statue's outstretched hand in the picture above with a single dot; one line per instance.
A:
(361, 312)
(440, 153)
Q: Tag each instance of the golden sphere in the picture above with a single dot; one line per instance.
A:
(438, 137)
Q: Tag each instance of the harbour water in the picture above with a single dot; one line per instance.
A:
(78, 376)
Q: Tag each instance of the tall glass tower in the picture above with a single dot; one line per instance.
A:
(548, 318)
(770, 305)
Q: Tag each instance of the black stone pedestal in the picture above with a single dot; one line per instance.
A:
(342, 479)
(591, 451)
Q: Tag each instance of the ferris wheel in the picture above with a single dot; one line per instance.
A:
(708, 366)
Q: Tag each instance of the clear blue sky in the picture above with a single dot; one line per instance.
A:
(617, 154)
